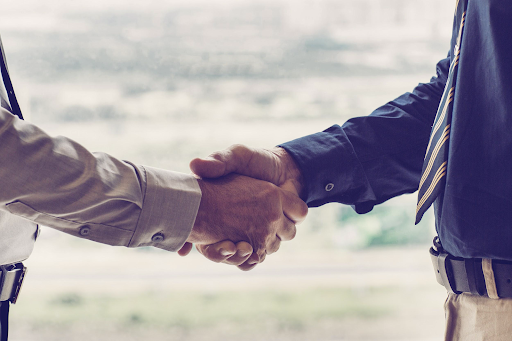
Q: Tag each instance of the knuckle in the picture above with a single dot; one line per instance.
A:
(200, 249)
(274, 246)
(274, 249)
(258, 251)
(237, 148)
(304, 209)
(216, 155)
(238, 151)
(238, 155)
(262, 257)
(292, 233)
(212, 254)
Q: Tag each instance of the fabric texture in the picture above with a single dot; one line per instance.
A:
(374, 158)
(18, 234)
(477, 318)
(377, 157)
(56, 182)
(433, 175)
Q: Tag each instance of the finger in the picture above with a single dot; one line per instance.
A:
(185, 249)
(272, 247)
(246, 266)
(250, 263)
(287, 230)
(217, 252)
(289, 186)
(293, 207)
(243, 252)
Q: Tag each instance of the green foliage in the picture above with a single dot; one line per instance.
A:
(280, 309)
(386, 225)
(69, 300)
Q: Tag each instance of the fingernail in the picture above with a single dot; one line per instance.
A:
(244, 253)
(225, 252)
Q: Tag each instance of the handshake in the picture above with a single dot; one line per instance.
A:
(250, 203)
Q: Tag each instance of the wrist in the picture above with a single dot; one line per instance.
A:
(197, 234)
(290, 171)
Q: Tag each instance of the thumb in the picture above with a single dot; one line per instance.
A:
(208, 167)
(293, 207)
(231, 160)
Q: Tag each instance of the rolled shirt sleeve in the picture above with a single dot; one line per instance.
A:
(56, 182)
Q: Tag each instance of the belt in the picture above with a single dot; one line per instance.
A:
(11, 280)
(460, 275)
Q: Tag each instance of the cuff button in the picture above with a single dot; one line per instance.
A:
(157, 238)
(329, 187)
(85, 231)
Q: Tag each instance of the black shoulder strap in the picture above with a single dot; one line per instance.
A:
(8, 85)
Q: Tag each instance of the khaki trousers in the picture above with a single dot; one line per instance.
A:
(477, 318)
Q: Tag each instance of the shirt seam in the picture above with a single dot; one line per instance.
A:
(64, 219)
(145, 176)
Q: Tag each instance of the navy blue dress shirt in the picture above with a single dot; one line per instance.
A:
(374, 158)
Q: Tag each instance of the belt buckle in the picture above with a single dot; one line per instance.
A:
(11, 281)
(440, 261)
(19, 284)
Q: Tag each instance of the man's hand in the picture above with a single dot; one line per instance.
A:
(240, 254)
(274, 166)
(241, 209)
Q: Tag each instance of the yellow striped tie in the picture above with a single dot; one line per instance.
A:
(433, 177)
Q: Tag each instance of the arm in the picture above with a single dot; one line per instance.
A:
(363, 163)
(58, 183)
(374, 158)
(368, 160)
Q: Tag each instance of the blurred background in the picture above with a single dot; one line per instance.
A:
(161, 82)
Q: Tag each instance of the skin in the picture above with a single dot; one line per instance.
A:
(242, 219)
(267, 209)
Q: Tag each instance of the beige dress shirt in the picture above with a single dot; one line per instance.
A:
(54, 181)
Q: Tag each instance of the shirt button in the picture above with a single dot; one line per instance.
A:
(329, 187)
(85, 230)
(157, 238)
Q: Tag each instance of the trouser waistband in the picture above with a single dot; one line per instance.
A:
(483, 277)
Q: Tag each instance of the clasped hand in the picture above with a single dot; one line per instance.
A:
(250, 203)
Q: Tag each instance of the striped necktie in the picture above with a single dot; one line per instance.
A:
(433, 176)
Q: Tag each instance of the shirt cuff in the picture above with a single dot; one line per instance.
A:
(331, 170)
(169, 210)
